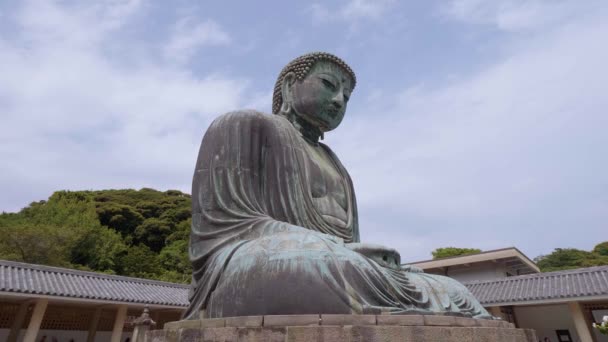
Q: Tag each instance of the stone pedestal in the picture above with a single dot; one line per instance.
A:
(341, 328)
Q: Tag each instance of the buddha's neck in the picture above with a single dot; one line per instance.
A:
(310, 132)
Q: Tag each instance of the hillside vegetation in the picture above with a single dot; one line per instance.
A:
(139, 233)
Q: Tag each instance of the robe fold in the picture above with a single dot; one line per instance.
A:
(259, 246)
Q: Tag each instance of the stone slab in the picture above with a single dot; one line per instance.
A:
(439, 320)
(291, 320)
(322, 333)
(407, 320)
(348, 319)
(186, 324)
(245, 321)
(466, 322)
(488, 323)
(213, 323)
(350, 333)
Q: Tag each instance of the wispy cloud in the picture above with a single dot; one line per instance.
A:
(516, 15)
(190, 34)
(351, 11)
(75, 117)
(514, 148)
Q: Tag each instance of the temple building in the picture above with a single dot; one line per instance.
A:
(560, 306)
(71, 305)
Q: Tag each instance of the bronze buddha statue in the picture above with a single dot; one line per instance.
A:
(275, 228)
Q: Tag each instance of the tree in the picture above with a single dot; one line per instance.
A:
(148, 209)
(141, 233)
(153, 232)
(45, 232)
(174, 260)
(446, 252)
(569, 258)
(601, 248)
(100, 250)
(139, 261)
(120, 217)
(40, 244)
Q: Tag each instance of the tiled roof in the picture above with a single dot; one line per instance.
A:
(17, 277)
(512, 257)
(550, 286)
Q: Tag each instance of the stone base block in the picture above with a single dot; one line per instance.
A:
(349, 328)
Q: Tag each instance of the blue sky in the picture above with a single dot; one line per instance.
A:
(473, 124)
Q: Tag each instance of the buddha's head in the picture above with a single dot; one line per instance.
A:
(314, 88)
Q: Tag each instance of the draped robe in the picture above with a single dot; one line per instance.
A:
(260, 246)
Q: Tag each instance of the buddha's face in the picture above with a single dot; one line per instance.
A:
(321, 97)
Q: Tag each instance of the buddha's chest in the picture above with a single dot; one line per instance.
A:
(327, 186)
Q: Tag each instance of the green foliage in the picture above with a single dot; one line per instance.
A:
(601, 248)
(122, 218)
(602, 327)
(47, 231)
(140, 262)
(446, 252)
(139, 233)
(153, 232)
(42, 244)
(100, 249)
(174, 260)
(570, 258)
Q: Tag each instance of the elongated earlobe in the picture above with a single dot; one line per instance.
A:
(285, 107)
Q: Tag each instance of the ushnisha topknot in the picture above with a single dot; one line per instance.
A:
(300, 67)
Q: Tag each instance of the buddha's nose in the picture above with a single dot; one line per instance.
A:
(338, 100)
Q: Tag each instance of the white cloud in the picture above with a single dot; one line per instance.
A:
(76, 117)
(189, 35)
(514, 149)
(356, 9)
(517, 15)
(352, 10)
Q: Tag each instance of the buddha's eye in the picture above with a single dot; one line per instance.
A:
(328, 84)
(346, 97)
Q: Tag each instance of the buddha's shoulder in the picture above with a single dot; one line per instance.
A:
(247, 118)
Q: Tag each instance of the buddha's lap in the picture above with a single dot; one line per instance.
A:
(301, 273)
(287, 255)
(287, 273)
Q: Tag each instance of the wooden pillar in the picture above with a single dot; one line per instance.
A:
(93, 325)
(36, 320)
(582, 329)
(119, 323)
(18, 322)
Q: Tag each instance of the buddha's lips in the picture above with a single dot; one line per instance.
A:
(333, 111)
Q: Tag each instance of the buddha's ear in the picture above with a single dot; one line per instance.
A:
(286, 87)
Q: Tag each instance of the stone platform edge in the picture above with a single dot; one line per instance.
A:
(337, 320)
(341, 328)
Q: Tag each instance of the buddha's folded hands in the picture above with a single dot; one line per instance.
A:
(384, 256)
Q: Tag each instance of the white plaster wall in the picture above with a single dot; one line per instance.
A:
(476, 272)
(66, 335)
(546, 319)
(597, 315)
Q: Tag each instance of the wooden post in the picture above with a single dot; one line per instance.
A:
(36, 320)
(93, 325)
(18, 322)
(582, 329)
(119, 323)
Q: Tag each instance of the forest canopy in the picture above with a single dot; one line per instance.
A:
(139, 233)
